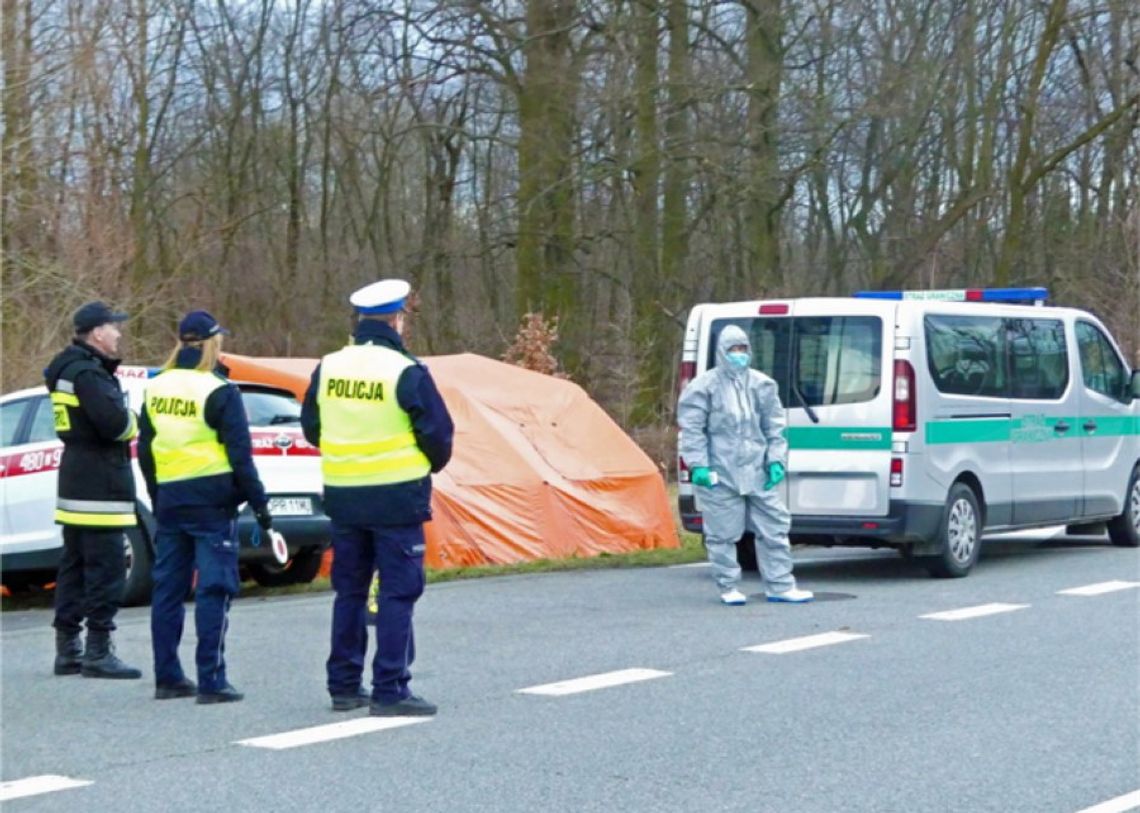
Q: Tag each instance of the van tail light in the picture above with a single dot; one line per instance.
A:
(688, 373)
(682, 470)
(905, 410)
(896, 471)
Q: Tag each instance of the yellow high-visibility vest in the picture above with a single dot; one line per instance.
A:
(366, 438)
(184, 446)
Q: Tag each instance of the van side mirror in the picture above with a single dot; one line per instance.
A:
(1134, 385)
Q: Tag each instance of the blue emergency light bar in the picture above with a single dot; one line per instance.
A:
(1007, 295)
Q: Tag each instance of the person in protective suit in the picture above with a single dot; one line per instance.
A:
(383, 429)
(96, 493)
(197, 460)
(732, 439)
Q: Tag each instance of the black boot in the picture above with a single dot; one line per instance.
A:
(100, 661)
(68, 652)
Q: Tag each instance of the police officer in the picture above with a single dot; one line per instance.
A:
(96, 496)
(382, 429)
(196, 457)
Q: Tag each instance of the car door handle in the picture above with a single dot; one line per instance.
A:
(1060, 427)
(1090, 426)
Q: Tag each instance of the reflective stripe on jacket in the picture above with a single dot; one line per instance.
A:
(185, 446)
(366, 437)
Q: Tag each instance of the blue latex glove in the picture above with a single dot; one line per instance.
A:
(701, 476)
(776, 475)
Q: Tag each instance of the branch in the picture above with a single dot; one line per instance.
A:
(1061, 153)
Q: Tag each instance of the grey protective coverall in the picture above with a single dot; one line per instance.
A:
(732, 421)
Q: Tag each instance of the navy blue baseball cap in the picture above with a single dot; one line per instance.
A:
(197, 326)
(94, 314)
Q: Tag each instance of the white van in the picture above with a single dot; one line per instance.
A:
(918, 419)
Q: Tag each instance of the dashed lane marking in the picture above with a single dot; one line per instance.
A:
(974, 612)
(807, 642)
(1098, 589)
(35, 785)
(1129, 801)
(332, 731)
(604, 680)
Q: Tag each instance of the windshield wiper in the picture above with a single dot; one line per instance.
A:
(803, 402)
(792, 378)
(284, 418)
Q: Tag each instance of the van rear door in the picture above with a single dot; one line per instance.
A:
(838, 396)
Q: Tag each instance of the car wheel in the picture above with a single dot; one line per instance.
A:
(1124, 530)
(301, 569)
(960, 535)
(140, 566)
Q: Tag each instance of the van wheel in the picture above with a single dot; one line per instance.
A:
(960, 535)
(140, 566)
(1124, 530)
(301, 569)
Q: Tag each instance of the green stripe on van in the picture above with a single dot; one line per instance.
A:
(847, 438)
(1112, 426)
(1030, 429)
(981, 430)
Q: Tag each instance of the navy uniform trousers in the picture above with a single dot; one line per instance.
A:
(212, 548)
(359, 551)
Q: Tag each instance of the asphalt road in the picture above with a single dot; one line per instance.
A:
(1035, 708)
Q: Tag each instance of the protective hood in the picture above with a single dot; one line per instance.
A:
(730, 337)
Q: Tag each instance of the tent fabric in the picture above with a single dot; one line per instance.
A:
(539, 470)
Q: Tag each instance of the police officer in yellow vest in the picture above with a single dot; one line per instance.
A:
(196, 457)
(96, 493)
(382, 429)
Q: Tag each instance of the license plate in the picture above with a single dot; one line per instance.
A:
(290, 506)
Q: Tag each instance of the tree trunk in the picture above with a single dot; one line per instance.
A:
(547, 279)
(765, 69)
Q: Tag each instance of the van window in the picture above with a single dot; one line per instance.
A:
(837, 359)
(1038, 358)
(966, 354)
(1101, 369)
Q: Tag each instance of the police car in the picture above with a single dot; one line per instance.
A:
(921, 419)
(289, 466)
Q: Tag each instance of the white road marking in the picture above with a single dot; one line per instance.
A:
(807, 642)
(690, 564)
(591, 682)
(332, 731)
(34, 785)
(1129, 801)
(974, 612)
(1098, 589)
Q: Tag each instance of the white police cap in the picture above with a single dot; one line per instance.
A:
(385, 296)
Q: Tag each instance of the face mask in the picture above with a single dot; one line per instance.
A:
(739, 360)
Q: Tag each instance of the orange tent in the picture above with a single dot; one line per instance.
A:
(539, 470)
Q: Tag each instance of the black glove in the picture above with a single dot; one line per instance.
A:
(264, 518)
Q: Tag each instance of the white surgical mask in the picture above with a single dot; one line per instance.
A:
(739, 360)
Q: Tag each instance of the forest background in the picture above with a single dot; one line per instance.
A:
(604, 163)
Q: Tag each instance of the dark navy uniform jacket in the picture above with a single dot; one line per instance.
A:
(216, 497)
(394, 503)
